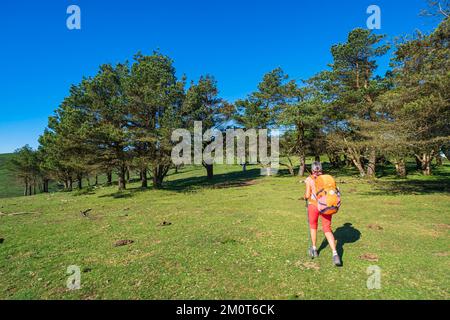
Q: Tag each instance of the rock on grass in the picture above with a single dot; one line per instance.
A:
(121, 243)
(369, 257)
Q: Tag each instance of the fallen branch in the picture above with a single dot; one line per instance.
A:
(84, 213)
(17, 213)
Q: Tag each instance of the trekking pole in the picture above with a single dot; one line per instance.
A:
(306, 168)
(309, 231)
(307, 220)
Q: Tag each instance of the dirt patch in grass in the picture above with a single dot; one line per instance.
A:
(309, 265)
(369, 257)
(234, 184)
(442, 254)
(392, 203)
(375, 227)
(263, 234)
(442, 226)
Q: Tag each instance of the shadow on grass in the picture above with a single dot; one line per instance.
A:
(343, 235)
(124, 194)
(219, 181)
(426, 185)
(339, 172)
(327, 169)
(83, 192)
(192, 184)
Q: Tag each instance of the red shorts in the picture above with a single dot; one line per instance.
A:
(313, 215)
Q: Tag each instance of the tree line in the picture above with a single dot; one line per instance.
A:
(120, 120)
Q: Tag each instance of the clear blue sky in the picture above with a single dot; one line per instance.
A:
(236, 41)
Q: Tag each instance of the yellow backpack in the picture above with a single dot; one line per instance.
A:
(327, 194)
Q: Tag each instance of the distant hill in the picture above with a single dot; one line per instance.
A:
(9, 185)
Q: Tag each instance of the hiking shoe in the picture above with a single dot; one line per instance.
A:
(313, 253)
(337, 261)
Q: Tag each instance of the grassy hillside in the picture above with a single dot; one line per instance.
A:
(9, 186)
(242, 236)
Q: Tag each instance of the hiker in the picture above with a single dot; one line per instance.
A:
(313, 215)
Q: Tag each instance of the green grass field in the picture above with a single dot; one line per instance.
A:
(242, 236)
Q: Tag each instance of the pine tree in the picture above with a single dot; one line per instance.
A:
(420, 99)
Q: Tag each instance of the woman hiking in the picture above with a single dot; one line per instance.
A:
(313, 215)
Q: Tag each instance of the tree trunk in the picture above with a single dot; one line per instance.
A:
(291, 170)
(359, 166)
(301, 169)
(25, 192)
(159, 172)
(45, 186)
(438, 160)
(70, 184)
(290, 166)
(355, 157)
(425, 163)
(357, 75)
(157, 181)
(143, 174)
(400, 168)
(109, 178)
(209, 171)
(418, 163)
(372, 163)
(127, 174)
(122, 178)
(426, 170)
(96, 180)
(80, 181)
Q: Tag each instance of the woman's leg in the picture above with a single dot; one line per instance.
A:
(313, 216)
(326, 226)
(331, 240)
(313, 237)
